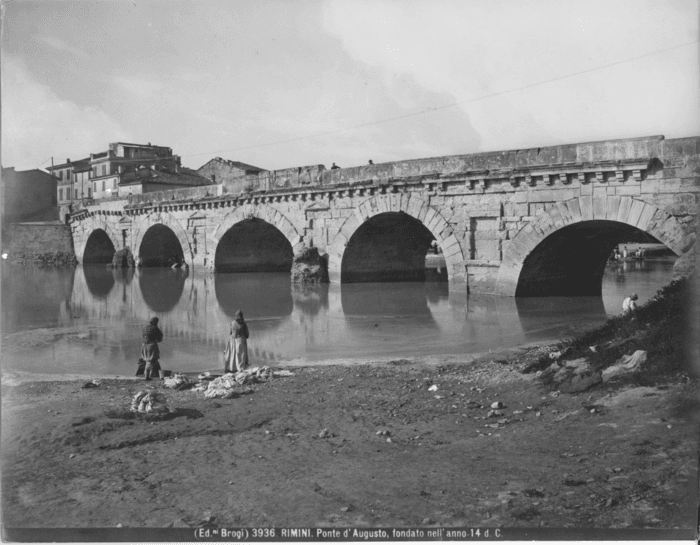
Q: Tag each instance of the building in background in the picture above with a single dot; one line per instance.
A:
(158, 178)
(99, 176)
(119, 163)
(68, 190)
(82, 186)
(220, 171)
(28, 195)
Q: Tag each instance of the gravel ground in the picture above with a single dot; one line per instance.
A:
(396, 443)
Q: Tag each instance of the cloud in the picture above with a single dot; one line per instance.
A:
(140, 87)
(37, 124)
(472, 50)
(59, 44)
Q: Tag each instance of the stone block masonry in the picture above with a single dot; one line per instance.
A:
(492, 214)
(47, 243)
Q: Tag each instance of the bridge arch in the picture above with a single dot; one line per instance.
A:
(416, 209)
(165, 219)
(585, 217)
(83, 234)
(263, 212)
(241, 233)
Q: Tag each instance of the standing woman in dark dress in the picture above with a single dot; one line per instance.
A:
(236, 353)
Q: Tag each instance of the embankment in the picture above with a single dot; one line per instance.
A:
(46, 243)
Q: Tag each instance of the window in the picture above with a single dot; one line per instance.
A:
(103, 185)
(94, 172)
(76, 193)
(104, 171)
(89, 192)
(60, 194)
(114, 183)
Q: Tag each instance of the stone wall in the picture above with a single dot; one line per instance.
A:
(275, 179)
(220, 171)
(46, 243)
(186, 193)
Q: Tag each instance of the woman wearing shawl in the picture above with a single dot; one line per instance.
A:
(236, 353)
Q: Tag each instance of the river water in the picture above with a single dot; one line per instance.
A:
(88, 320)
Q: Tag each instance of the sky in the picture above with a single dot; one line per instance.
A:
(279, 84)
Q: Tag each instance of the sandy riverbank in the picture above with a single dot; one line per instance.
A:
(258, 460)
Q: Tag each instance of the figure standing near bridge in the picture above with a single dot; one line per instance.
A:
(236, 353)
(150, 353)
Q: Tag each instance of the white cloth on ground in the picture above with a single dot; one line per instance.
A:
(626, 364)
(178, 381)
(150, 403)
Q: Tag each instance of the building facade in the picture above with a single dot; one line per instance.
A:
(99, 176)
(159, 178)
(232, 173)
(119, 163)
(28, 195)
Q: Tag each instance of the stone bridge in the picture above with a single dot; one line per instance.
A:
(540, 221)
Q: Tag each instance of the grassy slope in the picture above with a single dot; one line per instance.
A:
(659, 327)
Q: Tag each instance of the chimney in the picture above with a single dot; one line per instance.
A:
(67, 160)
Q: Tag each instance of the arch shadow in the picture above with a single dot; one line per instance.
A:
(253, 245)
(162, 289)
(365, 304)
(388, 247)
(99, 248)
(410, 206)
(98, 279)
(604, 221)
(258, 295)
(571, 261)
(160, 247)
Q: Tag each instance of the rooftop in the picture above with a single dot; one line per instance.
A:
(68, 163)
(130, 144)
(184, 176)
(235, 164)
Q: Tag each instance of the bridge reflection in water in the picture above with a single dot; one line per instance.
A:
(100, 313)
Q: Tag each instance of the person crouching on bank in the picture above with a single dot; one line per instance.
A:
(150, 352)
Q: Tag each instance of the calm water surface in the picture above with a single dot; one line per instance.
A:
(89, 320)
